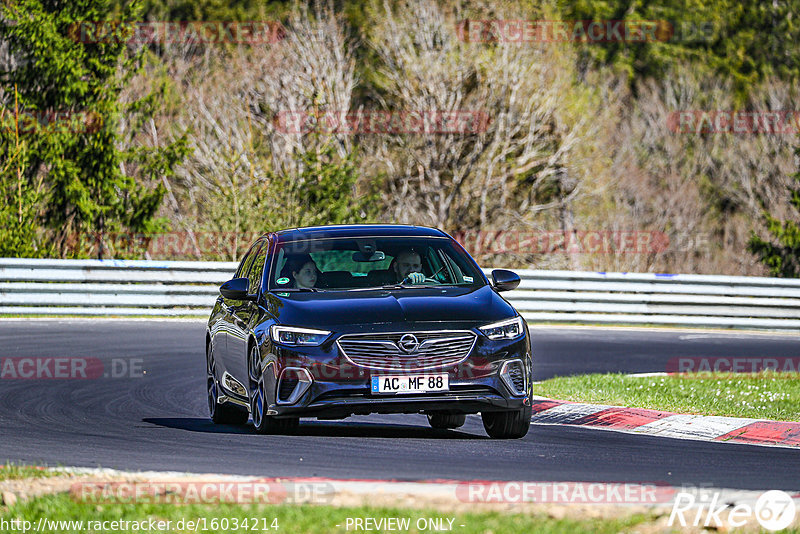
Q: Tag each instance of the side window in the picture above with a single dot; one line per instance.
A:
(240, 268)
(458, 275)
(247, 260)
(434, 262)
(257, 271)
(280, 263)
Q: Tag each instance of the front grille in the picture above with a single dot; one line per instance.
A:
(382, 351)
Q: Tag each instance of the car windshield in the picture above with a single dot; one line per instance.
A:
(370, 262)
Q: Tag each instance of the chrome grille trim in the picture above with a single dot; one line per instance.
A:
(437, 349)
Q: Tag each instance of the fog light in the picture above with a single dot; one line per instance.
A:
(514, 377)
(293, 384)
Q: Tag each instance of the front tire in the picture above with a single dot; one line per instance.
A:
(263, 423)
(445, 421)
(512, 424)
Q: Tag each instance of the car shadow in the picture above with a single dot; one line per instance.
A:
(341, 429)
(197, 424)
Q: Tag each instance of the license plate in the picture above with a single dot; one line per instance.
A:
(409, 383)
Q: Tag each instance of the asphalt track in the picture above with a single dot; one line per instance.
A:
(157, 420)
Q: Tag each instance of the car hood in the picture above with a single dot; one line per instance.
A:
(431, 304)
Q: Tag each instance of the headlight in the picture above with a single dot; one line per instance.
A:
(291, 335)
(508, 329)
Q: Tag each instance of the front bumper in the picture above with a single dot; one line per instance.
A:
(455, 402)
(338, 388)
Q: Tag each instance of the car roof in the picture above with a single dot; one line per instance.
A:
(358, 230)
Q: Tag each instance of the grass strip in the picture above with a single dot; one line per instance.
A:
(9, 471)
(293, 518)
(766, 395)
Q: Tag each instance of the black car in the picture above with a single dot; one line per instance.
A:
(333, 321)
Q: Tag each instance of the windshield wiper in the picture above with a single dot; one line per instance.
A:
(297, 289)
(408, 286)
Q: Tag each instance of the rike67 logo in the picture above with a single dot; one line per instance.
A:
(774, 510)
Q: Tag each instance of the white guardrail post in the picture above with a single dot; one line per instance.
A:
(186, 288)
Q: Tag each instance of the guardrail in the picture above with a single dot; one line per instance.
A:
(178, 288)
(110, 287)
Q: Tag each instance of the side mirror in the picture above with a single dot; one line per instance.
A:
(504, 280)
(236, 289)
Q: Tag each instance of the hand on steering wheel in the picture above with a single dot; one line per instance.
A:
(414, 278)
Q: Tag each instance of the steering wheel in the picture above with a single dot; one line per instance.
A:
(431, 279)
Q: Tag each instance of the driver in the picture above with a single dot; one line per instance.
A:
(408, 265)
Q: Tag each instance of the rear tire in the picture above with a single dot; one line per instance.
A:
(221, 414)
(507, 425)
(271, 425)
(446, 421)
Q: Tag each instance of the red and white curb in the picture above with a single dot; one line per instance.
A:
(667, 424)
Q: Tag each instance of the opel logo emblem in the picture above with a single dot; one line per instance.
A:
(408, 343)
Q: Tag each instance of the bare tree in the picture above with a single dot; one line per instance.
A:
(311, 72)
(537, 147)
(703, 190)
(508, 169)
(236, 178)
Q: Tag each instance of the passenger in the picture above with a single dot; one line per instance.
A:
(303, 271)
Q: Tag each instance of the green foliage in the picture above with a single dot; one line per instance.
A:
(325, 192)
(295, 518)
(18, 214)
(211, 10)
(744, 40)
(93, 170)
(10, 471)
(85, 181)
(782, 253)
